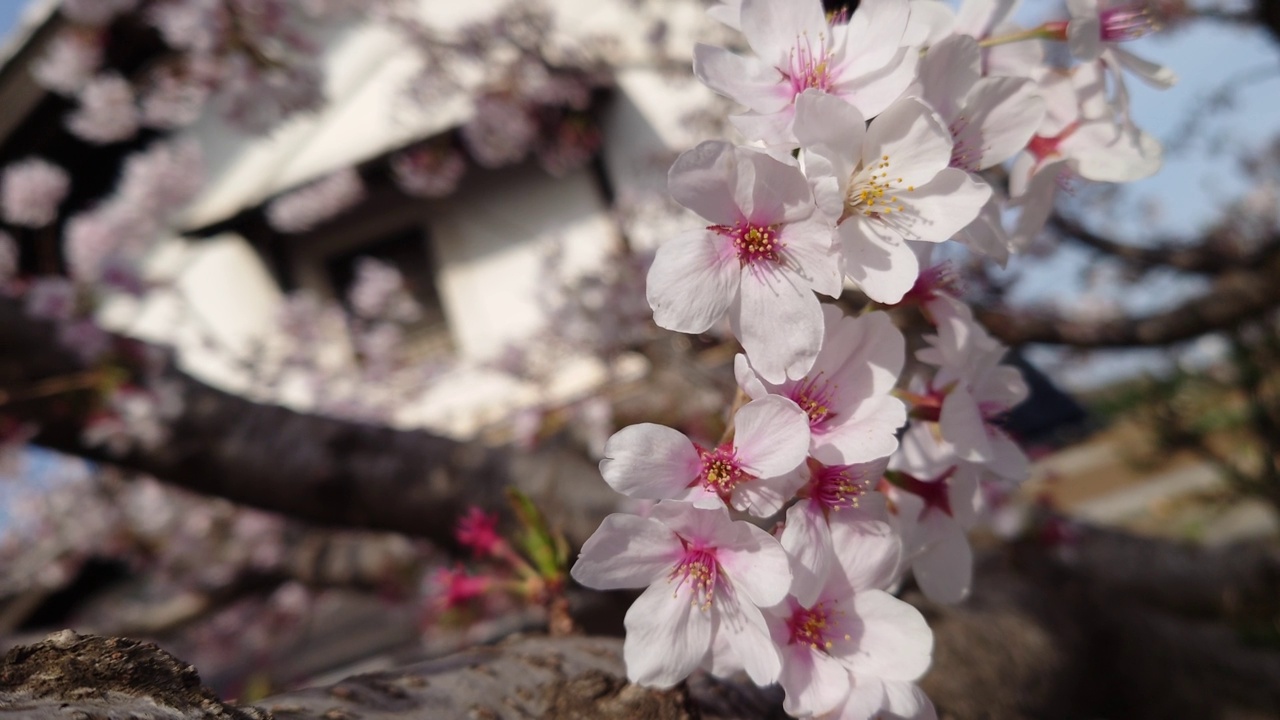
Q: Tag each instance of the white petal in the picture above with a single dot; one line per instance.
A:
(877, 259)
(693, 282)
(747, 378)
(668, 635)
(962, 425)
(756, 564)
(778, 322)
(650, 462)
(1003, 115)
(748, 635)
(811, 253)
(1157, 76)
(814, 682)
(626, 551)
(917, 144)
(943, 206)
(870, 435)
(704, 179)
(773, 27)
(947, 72)
(807, 540)
(746, 80)
(771, 436)
(1084, 37)
(944, 570)
(895, 642)
(832, 128)
(868, 551)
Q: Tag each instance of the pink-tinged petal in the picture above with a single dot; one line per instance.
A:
(778, 322)
(650, 462)
(872, 697)
(773, 128)
(943, 206)
(626, 551)
(965, 498)
(744, 627)
(1037, 203)
(773, 27)
(832, 128)
(722, 660)
(807, 541)
(869, 435)
(746, 80)
(1003, 115)
(874, 33)
(906, 701)
(693, 282)
(986, 234)
(1153, 74)
(1015, 59)
(874, 91)
(704, 180)
(944, 570)
(711, 527)
(1084, 38)
(668, 635)
(1010, 462)
(771, 436)
(918, 145)
(763, 497)
(812, 255)
(771, 192)
(747, 378)
(1104, 152)
(814, 681)
(877, 259)
(1003, 387)
(755, 563)
(947, 71)
(894, 642)
(868, 552)
(962, 425)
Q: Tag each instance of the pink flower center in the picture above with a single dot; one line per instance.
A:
(963, 155)
(810, 68)
(836, 487)
(1127, 22)
(813, 627)
(935, 282)
(933, 491)
(815, 397)
(721, 471)
(753, 243)
(699, 568)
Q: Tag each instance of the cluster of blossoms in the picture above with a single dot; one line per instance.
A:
(869, 137)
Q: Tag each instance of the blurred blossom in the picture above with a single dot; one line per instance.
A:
(379, 292)
(172, 100)
(32, 190)
(313, 204)
(83, 337)
(162, 179)
(500, 132)
(51, 298)
(428, 172)
(572, 146)
(379, 348)
(107, 112)
(106, 241)
(257, 98)
(195, 25)
(96, 12)
(69, 62)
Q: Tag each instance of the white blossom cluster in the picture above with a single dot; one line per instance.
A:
(869, 134)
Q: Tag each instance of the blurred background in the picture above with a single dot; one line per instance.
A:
(289, 287)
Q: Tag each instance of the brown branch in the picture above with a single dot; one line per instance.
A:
(1236, 296)
(317, 469)
(1205, 256)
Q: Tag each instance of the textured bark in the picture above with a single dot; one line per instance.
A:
(1116, 627)
(317, 469)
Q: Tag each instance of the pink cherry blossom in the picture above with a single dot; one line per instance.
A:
(31, 190)
(863, 62)
(312, 204)
(932, 22)
(1097, 27)
(70, 61)
(759, 262)
(707, 578)
(887, 184)
(853, 417)
(972, 391)
(851, 631)
(756, 471)
(107, 111)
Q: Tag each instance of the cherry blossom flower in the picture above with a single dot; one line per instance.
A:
(932, 506)
(853, 417)
(887, 184)
(428, 172)
(312, 204)
(833, 495)
(973, 391)
(863, 62)
(755, 472)
(70, 61)
(31, 190)
(759, 262)
(852, 631)
(107, 112)
(501, 131)
(1097, 27)
(931, 22)
(95, 12)
(707, 578)
(379, 292)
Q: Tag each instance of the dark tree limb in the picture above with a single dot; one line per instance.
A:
(1206, 255)
(1235, 297)
(317, 469)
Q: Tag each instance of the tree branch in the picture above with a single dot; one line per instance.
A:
(317, 469)
(1236, 296)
